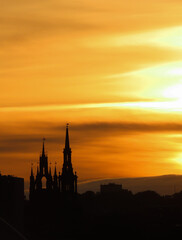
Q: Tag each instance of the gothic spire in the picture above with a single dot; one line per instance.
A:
(43, 148)
(68, 179)
(67, 144)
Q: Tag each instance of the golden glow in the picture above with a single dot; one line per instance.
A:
(111, 69)
(168, 37)
(173, 92)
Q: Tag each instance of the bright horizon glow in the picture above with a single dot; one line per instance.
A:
(167, 37)
(164, 106)
(174, 92)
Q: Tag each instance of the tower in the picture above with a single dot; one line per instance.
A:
(45, 184)
(43, 162)
(42, 172)
(68, 178)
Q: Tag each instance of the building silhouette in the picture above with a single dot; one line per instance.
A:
(110, 188)
(12, 201)
(56, 184)
(68, 180)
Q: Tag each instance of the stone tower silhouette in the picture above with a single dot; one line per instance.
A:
(42, 171)
(65, 183)
(68, 179)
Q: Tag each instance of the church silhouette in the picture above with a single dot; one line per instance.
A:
(64, 184)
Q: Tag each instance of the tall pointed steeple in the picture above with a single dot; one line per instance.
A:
(43, 148)
(65, 183)
(43, 161)
(67, 142)
(68, 178)
(67, 149)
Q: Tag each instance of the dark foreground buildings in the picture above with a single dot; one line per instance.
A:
(56, 211)
(111, 188)
(12, 200)
(11, 207)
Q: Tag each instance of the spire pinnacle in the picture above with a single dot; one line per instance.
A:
(43, 148)
(67, 144)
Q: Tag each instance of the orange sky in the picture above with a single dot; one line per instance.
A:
(112, 69)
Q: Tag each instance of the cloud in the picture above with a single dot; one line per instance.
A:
(81, 134)
(129, 127)
(27, 20)
(164, 37)
(123, 148)
(26, 29)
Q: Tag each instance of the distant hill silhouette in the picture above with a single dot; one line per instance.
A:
(163, 185)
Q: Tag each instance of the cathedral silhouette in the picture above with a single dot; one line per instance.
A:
(64, 184)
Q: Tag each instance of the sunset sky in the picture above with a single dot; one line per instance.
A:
(112, 69)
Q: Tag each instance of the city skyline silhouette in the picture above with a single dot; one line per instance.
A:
(56, 210)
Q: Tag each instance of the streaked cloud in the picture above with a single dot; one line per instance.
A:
(94, 145)
(88, 132)
(164, 38)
